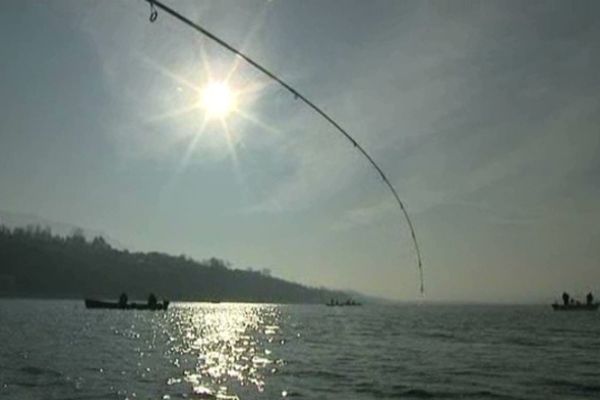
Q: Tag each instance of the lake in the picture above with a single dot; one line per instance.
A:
(60, 350)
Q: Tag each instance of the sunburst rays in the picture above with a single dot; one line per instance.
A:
(226, 112)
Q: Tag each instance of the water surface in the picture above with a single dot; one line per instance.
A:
(60, 350)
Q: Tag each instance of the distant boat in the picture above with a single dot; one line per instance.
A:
(570, 304)
(349, 303)
(575, 307)
(89, 303)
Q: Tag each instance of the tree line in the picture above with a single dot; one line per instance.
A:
(36, 263)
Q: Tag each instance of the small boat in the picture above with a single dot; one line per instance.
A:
(575, 307)
(89, 303)
(347, 303)
(570, 304)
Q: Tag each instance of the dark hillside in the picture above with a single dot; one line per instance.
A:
(35, 263)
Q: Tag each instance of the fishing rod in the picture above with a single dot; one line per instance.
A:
(297, 95)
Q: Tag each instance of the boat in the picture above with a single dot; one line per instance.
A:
(570, 304)
(575, 307)
(99, 304)
(347, 303)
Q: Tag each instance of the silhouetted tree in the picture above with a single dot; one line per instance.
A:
(265, 272)
(99, 242)
(77, 236)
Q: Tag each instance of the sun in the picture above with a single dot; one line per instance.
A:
(218, 99)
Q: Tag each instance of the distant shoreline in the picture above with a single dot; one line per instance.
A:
(390, 303)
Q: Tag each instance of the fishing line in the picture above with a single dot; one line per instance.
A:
(297, 95)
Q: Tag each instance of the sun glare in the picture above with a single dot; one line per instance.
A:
(212, 103)
(218, 100)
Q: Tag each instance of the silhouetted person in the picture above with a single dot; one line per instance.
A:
(565, 297)
(123, 300)
(589, 299)
(152, 300)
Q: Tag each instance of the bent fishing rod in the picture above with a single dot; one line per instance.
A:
(310, 104)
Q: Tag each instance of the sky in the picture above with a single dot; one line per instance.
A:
(485, 116)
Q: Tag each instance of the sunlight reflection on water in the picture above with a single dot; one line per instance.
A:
(223, 348)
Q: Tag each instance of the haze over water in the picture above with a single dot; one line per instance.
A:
(59, 350)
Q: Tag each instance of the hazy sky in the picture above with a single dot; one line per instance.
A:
(484, 115)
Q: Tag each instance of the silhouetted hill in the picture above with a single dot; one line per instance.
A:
(14, 220)
(36, 263)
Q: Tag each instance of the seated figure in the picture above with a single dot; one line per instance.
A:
(123, 300)
(152, 300)
(565, 298)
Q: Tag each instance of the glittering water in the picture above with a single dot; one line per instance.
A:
(59, 350)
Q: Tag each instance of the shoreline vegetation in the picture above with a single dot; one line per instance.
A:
(35, 263)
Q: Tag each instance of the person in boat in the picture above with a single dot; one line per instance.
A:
(589, 299)
(565, 298)
(152, 301)
(123, 300)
